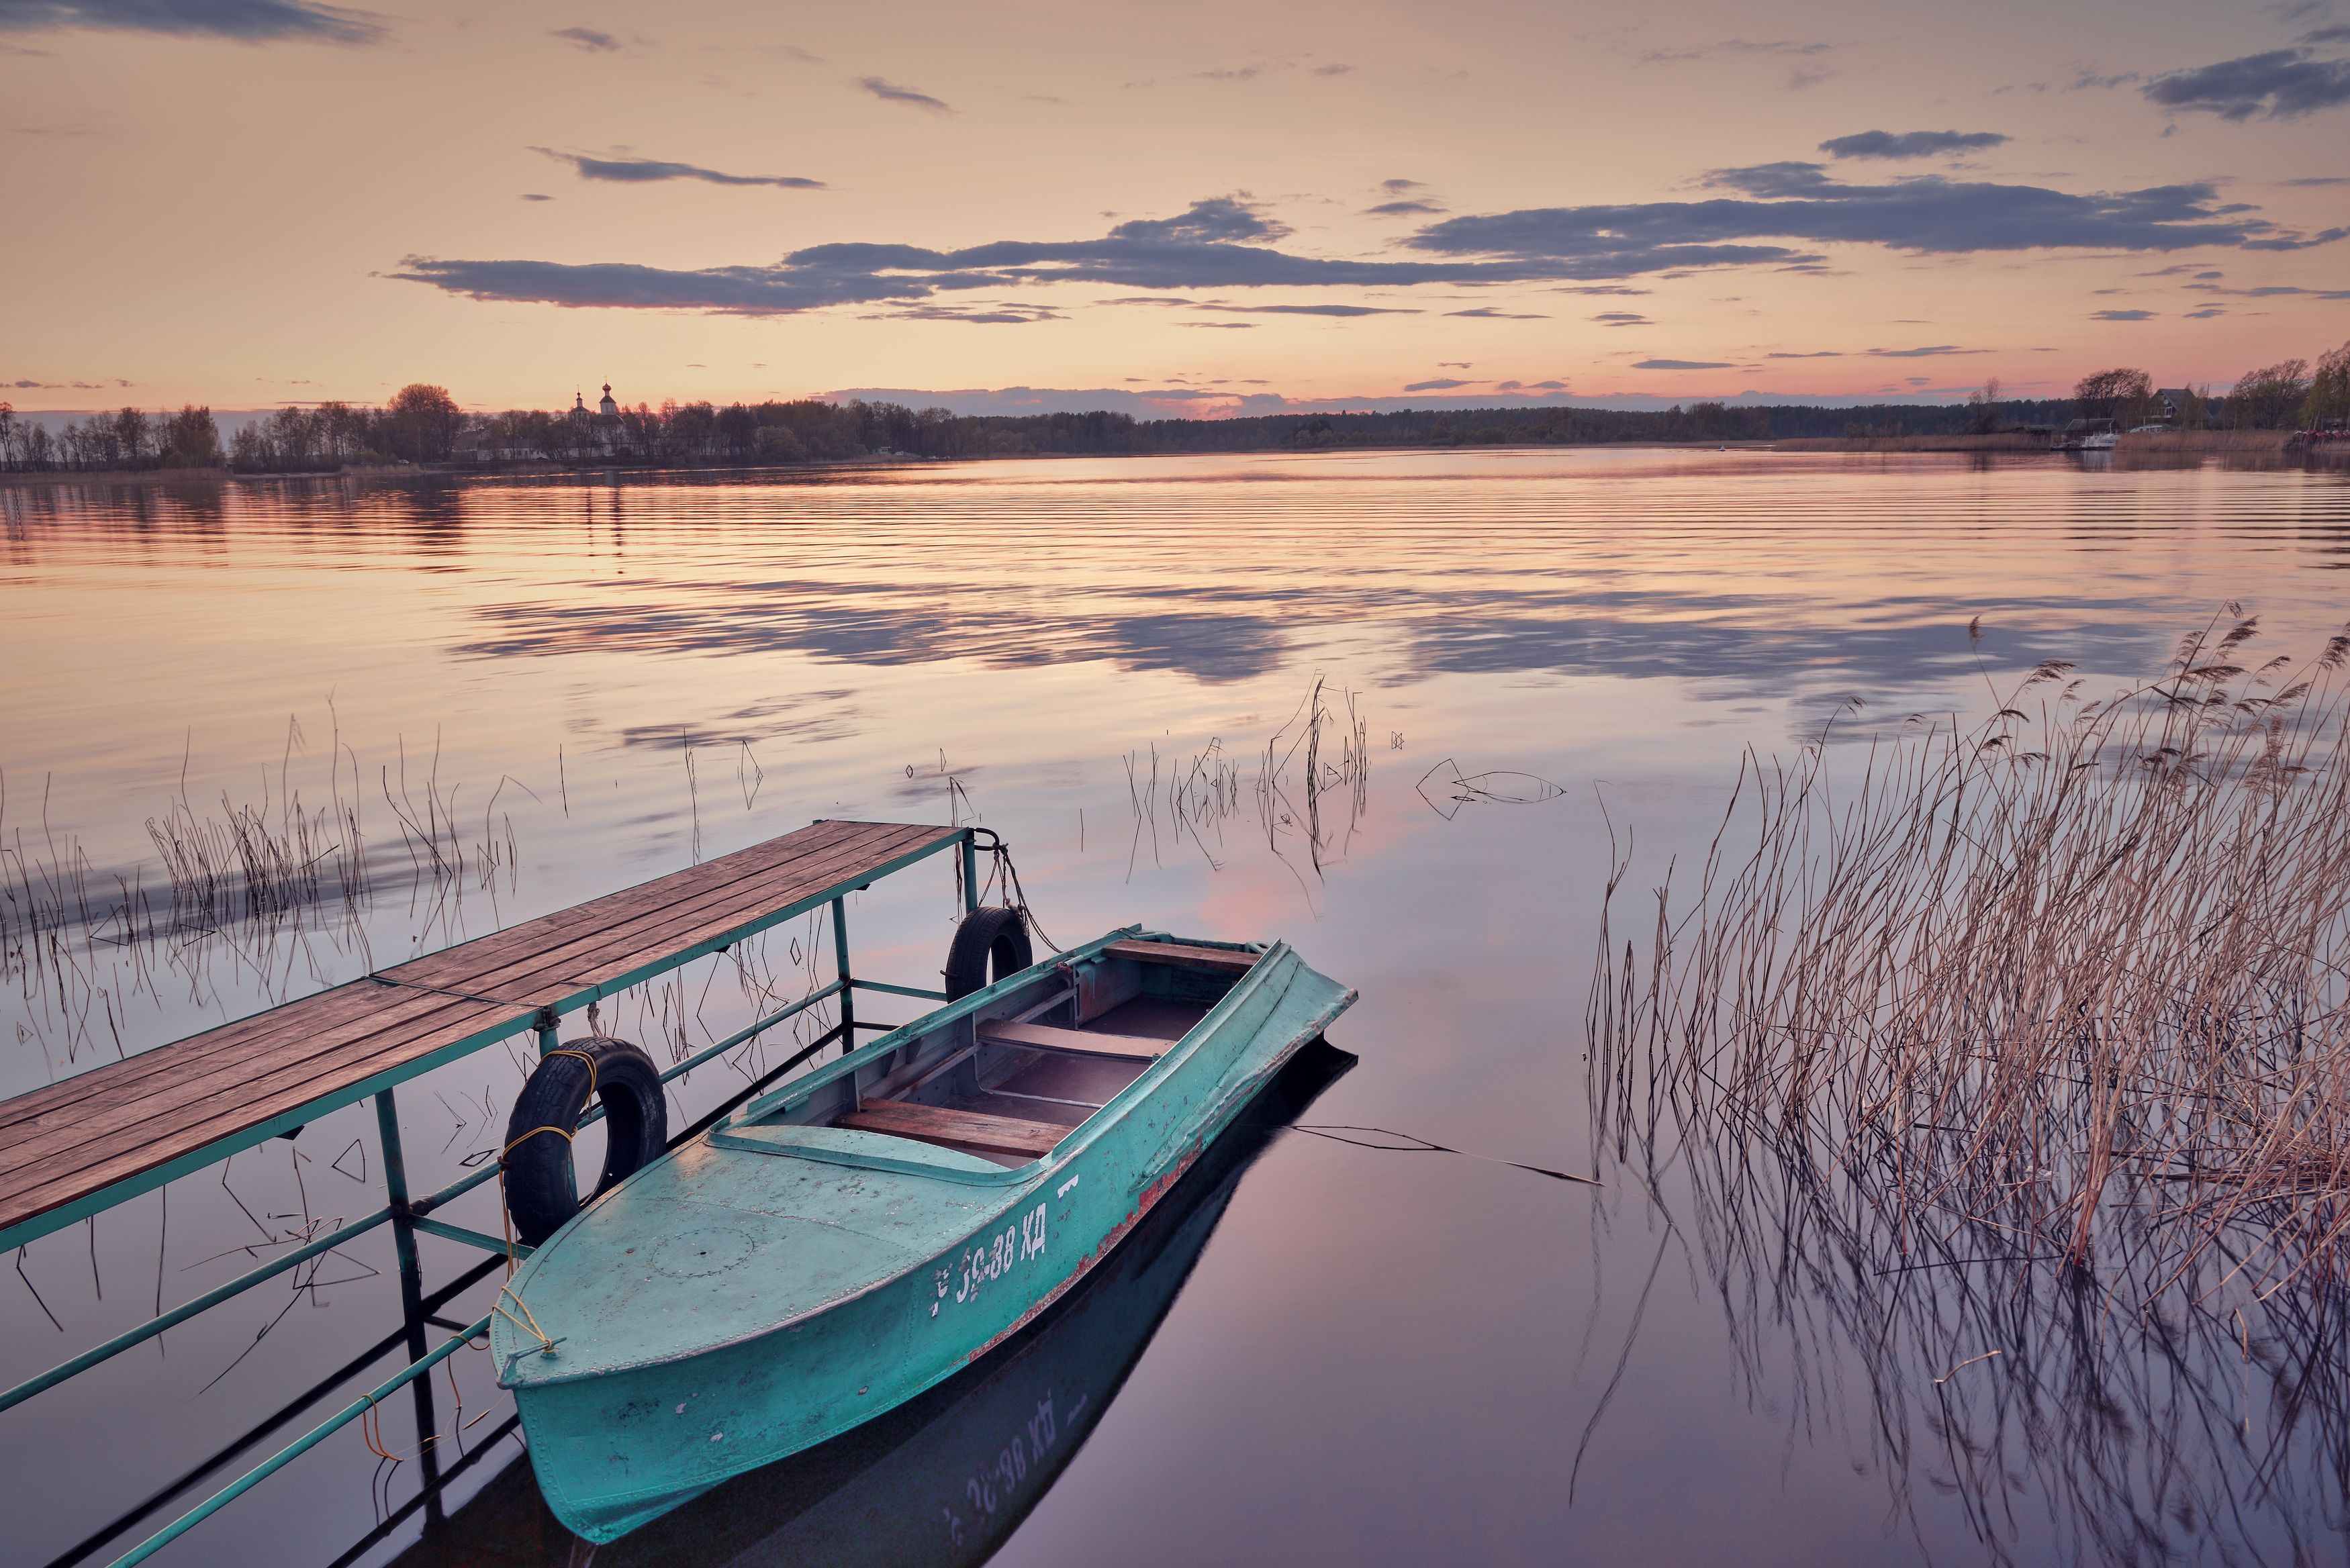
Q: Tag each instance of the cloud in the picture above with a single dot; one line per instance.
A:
(535, 196)
(248, 21)
(1312, 309)
(1930, 214)
(1683, 365)
(1734, 48)
(1813, 354)
(889, 92)
(1228, 241)
(587, 39)
(1487, 313)
(1622, 319)
(1932, 351)
(1332, 70)
(1606, 288)
(2207, 313)
(1398, 187)
(1217, 220)
(2270, 291)
(1226, 326)
(1442, 384)
(983, 316)
(642, 171)
(2121, 316)
(1401, 209)
(2321, 180)
(1910, 143)
(2279, 83)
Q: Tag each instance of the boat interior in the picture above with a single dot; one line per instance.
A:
(1009, 1083)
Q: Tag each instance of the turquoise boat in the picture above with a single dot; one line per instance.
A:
(843, 1243)
(947, 1477)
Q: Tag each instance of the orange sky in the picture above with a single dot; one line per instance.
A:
(344, 205)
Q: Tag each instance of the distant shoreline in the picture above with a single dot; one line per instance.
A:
(2247, 444)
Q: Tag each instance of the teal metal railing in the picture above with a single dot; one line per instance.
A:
(409, 1215)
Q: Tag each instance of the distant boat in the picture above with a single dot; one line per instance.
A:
(2085, 435)
(946, 1477)
(851, 1238)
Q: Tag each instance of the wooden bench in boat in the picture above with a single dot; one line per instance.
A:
(1183, 955)
(90, 1141)
(1074, 1041)
(961, 1128)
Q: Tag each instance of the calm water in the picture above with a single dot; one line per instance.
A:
(1330, 1352)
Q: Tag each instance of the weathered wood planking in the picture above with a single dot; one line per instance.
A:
(970, 1129)
(63, 1145)
(1074, 1041)
(1183, 955)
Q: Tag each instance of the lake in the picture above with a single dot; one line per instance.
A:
(456, 704)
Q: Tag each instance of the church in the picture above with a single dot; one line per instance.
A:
(601, 432)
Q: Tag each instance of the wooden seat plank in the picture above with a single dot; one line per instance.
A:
(1183, 955)
(71, 1139)
(1074, 1041)
(223, 1063)
(940, 1124)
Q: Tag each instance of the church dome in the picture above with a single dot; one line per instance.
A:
(607, 407)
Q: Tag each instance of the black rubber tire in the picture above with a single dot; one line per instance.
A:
(1001, 935)
(542, 1183)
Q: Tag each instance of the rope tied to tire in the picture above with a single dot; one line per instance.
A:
(1004, 879)
(537, 1183)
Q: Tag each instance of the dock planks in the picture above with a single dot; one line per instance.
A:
(64, 1145)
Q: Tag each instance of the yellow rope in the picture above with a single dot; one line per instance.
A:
(528, 1324)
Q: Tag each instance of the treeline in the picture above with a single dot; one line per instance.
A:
(423, 424)
(128, 438)
(2291, 394)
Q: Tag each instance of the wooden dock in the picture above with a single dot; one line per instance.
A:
(94, 1139)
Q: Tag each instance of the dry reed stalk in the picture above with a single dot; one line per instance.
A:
(2032, 1035)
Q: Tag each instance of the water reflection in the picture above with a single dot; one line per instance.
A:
(2070, 1418)
(946, 1478)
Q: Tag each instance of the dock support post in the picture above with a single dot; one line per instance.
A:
(411, 1294)
(970, 872)
(840, 971)
(550, 1030)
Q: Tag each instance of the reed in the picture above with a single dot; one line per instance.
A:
(2077, 973)
(2029, 1038)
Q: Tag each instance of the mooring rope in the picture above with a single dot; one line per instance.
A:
(1006, 878)
(528, 1323)
(1414, 1143)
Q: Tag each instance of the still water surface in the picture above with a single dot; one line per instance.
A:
(1329, 1352)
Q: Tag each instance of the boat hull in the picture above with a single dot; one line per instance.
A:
(617, 1449)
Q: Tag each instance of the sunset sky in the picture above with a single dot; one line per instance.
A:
(1204, 208)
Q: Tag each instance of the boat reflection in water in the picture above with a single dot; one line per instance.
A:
(946, 1477)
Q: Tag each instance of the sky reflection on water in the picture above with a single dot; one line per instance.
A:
(1378, 1357)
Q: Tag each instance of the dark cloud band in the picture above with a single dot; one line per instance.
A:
(642, 171)
(1228, 242)
(2279, 83)
(250, 21)
(1910, 143)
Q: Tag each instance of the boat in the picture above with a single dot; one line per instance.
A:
(948, 1476)
(854, 1237)
(2086, 435)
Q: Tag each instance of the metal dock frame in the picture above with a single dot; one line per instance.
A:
(409, 1214)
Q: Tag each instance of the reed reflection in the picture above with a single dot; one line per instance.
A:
(2008, 1067)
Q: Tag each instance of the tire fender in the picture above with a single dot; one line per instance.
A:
(541, 1184)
